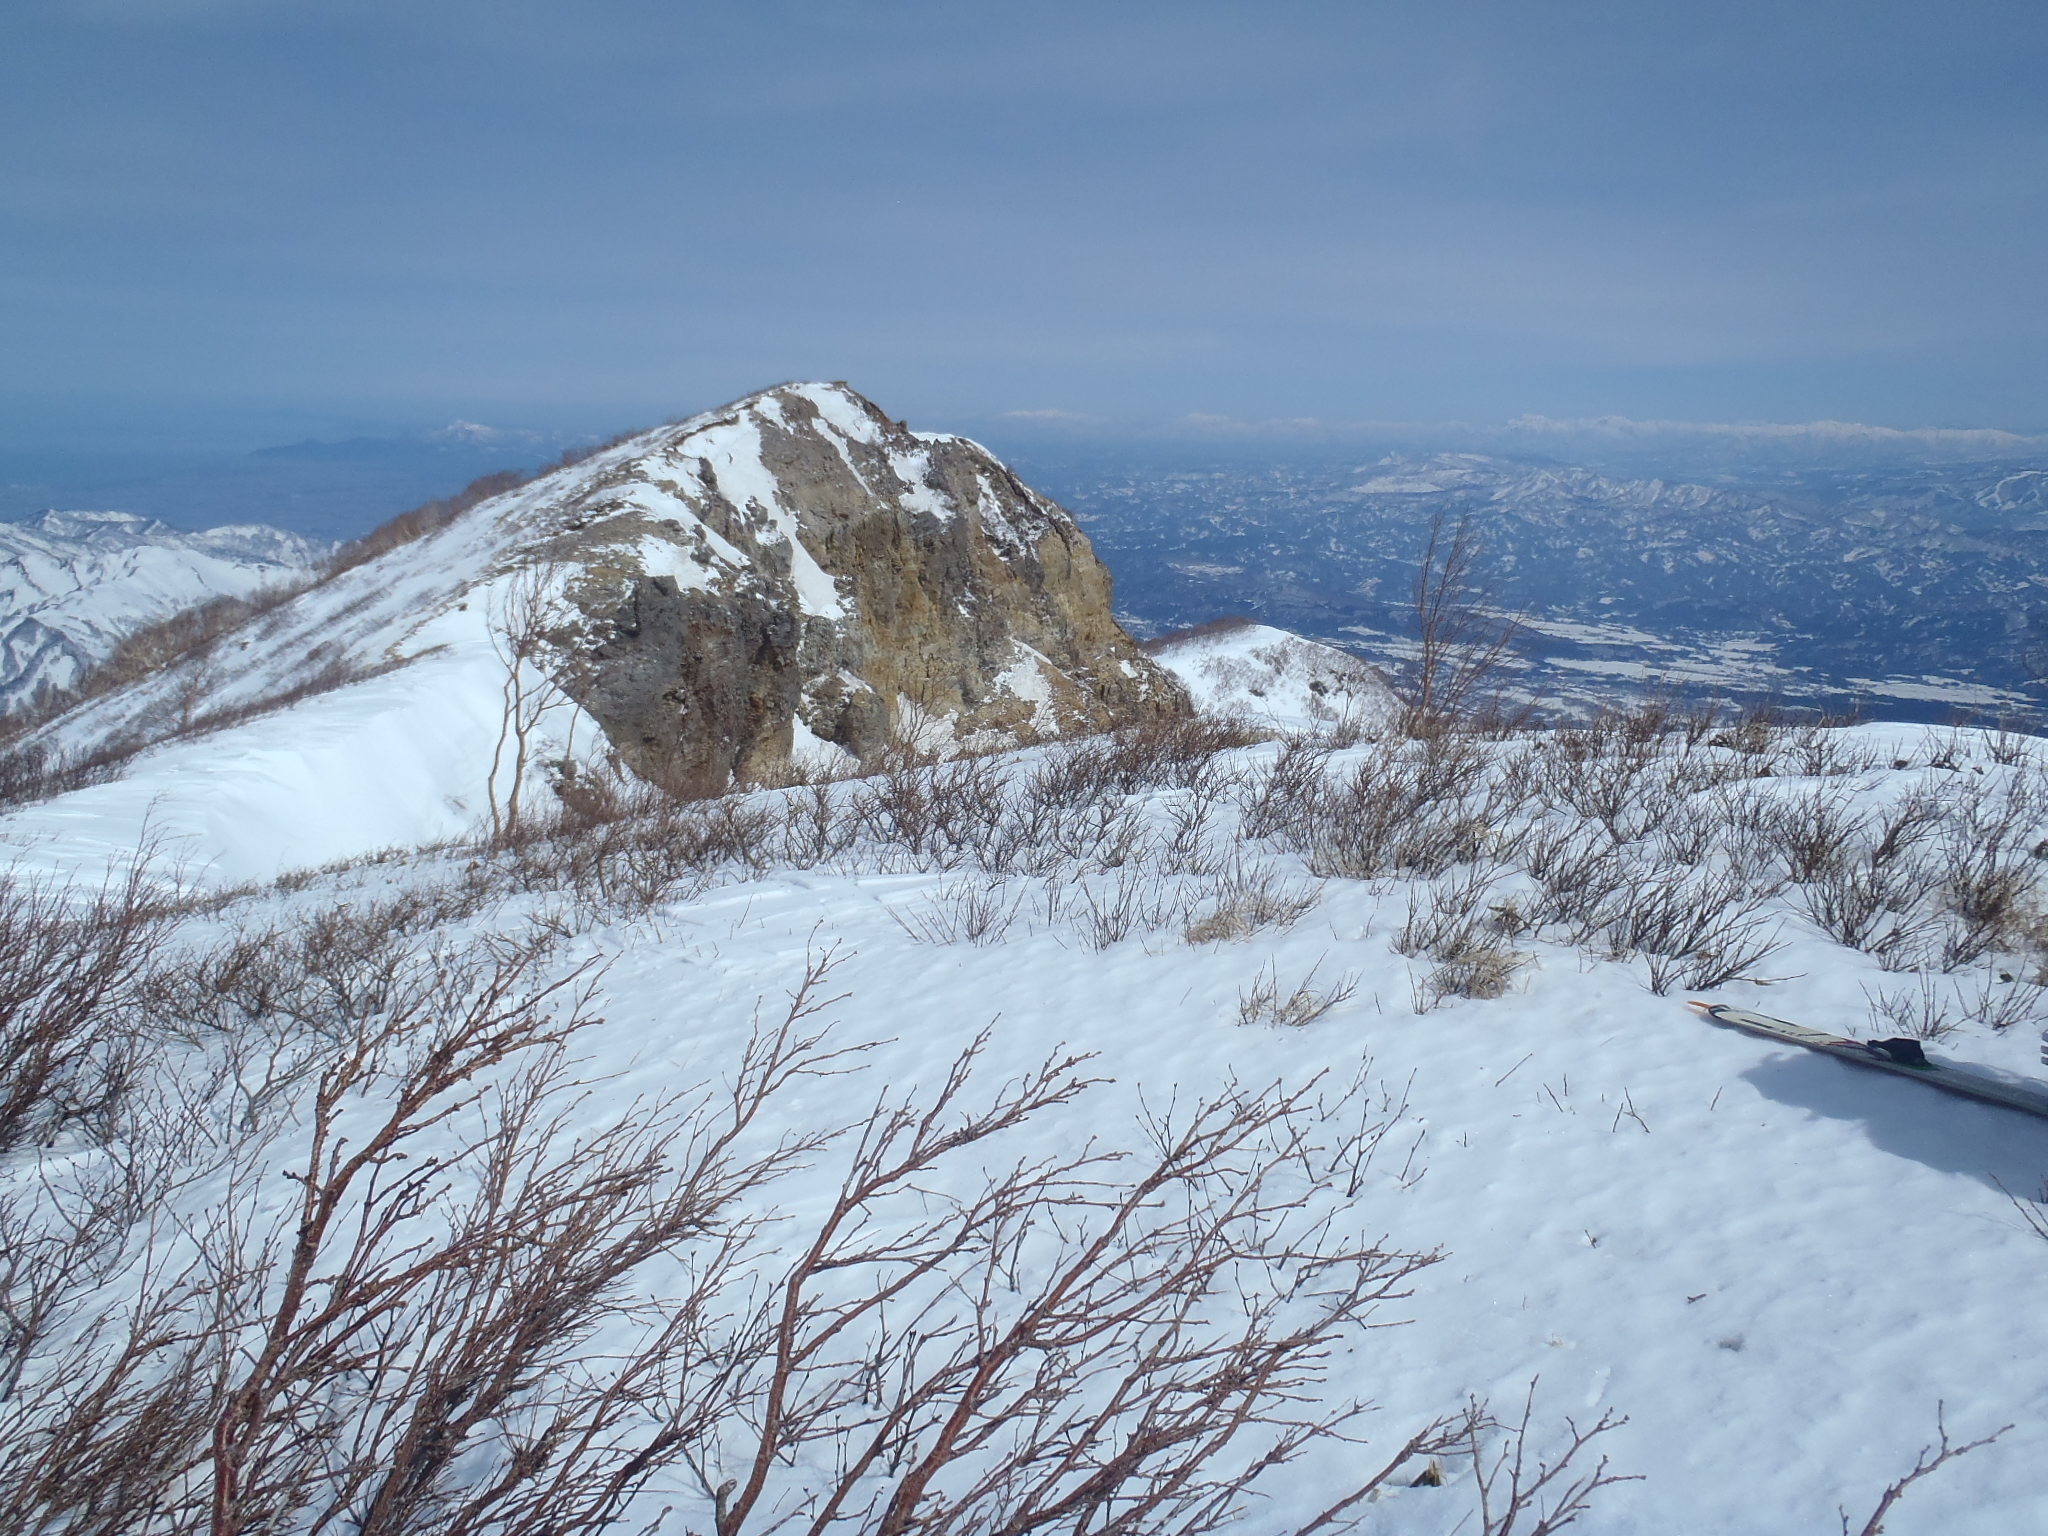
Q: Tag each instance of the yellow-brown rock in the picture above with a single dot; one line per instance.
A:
(797, 577)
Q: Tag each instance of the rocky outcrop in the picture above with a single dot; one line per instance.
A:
(798, 577)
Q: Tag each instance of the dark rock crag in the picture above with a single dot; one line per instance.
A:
(797, 578)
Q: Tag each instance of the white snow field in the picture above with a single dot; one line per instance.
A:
(1775, 1264)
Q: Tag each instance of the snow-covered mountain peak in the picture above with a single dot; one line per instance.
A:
(794, 578)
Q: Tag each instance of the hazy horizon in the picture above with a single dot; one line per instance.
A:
(229, 223)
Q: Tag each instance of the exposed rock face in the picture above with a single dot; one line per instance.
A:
(798, 576)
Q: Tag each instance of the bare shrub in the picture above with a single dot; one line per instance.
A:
(974, 909)
(270, 1004)
(409, 1343)
(2008, 746)
(31, 771)
(1753, 733)
(1441, 915)
(1456, 925)
(1924, 1013)
(1462, 643)
(1194, 816)
(1821, 749)
(1481, 971)
(1605, 781)
(70, 962)
(1550, 1494)
(1281, 801)
(1693, 930)
(1173, 753)
(1131, 900)
(480, 1339)
(1403, 810)
(1579, 875)
(1873, 899)
(1268, 1001)
(103, 1411)
(936, 818)
(1815, 830)
(665, 849)
(1932, 1458)
(1931, 1010)
(1103, 834)
(1696, 828)
(820, 823)
(2001, 1001)
(1250, 898)
(1082, 1385)
(1991, 896)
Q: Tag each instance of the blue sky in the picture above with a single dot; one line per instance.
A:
(254, 219)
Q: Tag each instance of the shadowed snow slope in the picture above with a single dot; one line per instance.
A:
(794, 576)
(73, 585)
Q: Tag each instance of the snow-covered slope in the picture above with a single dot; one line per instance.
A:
(1273, 679)
(399, 752)
(74, 584)
(1774, 1263)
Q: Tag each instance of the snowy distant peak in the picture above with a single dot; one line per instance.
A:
(1236, 669)
(118, 530)
(1798, 434)
(74, 584)
(69, 533)
(468, 432)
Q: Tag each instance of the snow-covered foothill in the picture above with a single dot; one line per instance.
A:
(1270, 678)
(73, 585)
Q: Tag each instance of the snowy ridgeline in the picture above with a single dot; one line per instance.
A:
(73, 585)
(1390, 1033)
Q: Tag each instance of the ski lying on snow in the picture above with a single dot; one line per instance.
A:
(1977, 1082)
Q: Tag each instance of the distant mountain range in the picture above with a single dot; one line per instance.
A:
(324, 490)
(74, 584)
(1911, 589)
